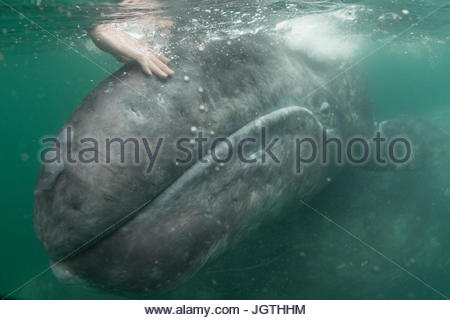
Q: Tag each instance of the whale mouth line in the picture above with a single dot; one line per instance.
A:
(111, 229)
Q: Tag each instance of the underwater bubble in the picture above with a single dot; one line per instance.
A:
(376, 268)
(186, 78)
(405, 12)
(325, 107)
(229, 42)
(194, 129)
(201, 90)
(447, 192)
(212, 132)
(201, 47)
(25, 157)
(204, 107)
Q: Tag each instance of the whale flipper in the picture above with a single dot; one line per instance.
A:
(425, 143)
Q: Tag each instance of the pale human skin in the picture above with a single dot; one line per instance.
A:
(127, 49)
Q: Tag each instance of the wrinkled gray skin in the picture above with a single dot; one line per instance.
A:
(135, 233)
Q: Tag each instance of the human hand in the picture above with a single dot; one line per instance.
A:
(154, 63)
(126, 49)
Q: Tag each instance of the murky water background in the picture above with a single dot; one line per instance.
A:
(48, 64)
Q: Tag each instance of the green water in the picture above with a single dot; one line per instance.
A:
(43, 80)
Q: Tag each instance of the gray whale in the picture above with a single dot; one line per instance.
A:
(120, 229)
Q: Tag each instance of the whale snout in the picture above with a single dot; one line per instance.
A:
(153, 249)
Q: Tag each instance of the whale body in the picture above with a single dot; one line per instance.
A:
(119, 227)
